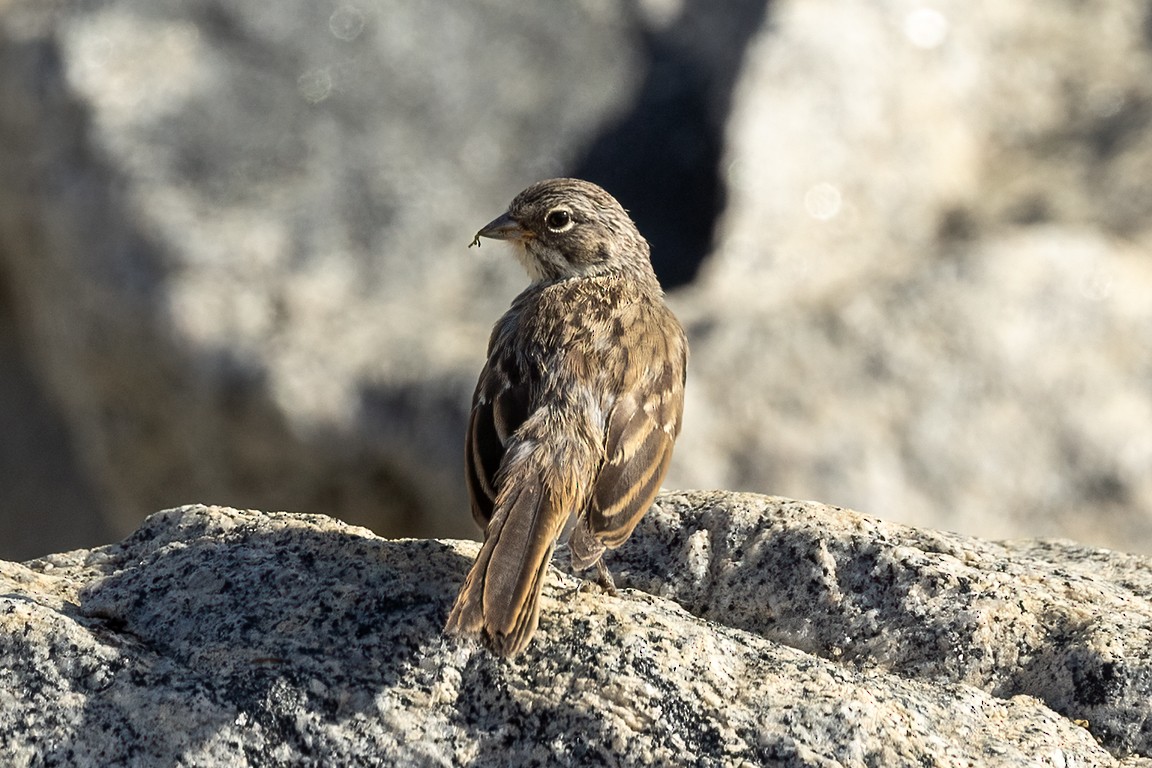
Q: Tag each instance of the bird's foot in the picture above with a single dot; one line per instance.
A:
(604, 578)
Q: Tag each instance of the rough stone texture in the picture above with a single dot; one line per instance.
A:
(1058, 621)
(213, 636)
(929, 293)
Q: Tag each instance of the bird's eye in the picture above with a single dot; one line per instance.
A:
(558, 220)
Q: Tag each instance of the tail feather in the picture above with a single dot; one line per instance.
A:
(500, 597)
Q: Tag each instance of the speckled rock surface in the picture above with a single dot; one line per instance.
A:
(220, 637)
(1061, 622)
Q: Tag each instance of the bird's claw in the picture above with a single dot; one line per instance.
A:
(604, 578)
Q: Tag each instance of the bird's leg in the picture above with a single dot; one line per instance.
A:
(604, 578)
(588, 551)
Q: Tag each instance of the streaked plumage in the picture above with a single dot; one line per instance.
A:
(577, 409)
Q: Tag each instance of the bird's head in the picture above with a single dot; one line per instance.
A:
(563, 228)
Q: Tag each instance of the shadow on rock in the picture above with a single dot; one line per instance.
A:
(279, 629)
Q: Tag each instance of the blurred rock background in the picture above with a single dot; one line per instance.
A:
(911, 241)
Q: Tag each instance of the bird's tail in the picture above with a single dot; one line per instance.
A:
(500, 598)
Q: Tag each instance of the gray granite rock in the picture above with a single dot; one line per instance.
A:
(213, 636)
(1061, 622)
(928, 297)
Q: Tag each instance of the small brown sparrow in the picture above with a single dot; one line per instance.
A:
(576, 410)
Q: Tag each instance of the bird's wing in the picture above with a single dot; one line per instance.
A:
(499, 407)
(639, 436)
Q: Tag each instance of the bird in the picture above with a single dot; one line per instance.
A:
(576, 411)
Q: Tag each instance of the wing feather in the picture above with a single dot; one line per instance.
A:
(499, 407)
(640, 433)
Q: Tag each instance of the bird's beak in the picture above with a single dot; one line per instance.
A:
(502, 228)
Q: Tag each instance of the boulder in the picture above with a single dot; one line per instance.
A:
(232, 240)
(235, 234)
(928, 297)
(750, 631)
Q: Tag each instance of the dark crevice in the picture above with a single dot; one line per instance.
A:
(662, 160)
